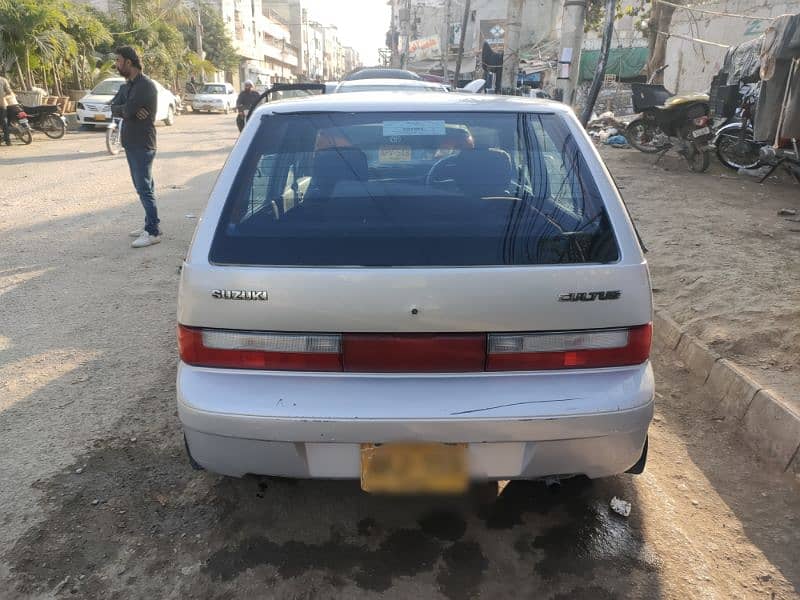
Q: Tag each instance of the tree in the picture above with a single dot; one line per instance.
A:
(216, 43)
(31, 35)
(89, 32)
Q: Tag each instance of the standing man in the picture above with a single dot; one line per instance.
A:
(5, 92)
(137, 107)
(245, 102)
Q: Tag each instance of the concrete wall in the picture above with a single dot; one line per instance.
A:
(692, 65)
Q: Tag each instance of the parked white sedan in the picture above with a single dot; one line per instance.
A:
(215, 97)
(415, 290)
(93, 109)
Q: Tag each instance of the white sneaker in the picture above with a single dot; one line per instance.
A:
(136, 232)
(145, 240)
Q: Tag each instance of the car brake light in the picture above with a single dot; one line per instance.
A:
(258, 350)
(569, 350)
(414, 353)
(701, 121)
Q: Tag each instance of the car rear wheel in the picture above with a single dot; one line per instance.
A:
(170, 120)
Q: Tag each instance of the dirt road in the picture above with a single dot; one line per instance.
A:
(98, 501)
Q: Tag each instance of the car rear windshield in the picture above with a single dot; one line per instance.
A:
(413, 189)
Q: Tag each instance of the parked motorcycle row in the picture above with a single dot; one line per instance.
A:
(723, 123)
(24, 120)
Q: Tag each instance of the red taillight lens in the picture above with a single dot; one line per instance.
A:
(256, 350)
(569, 350)
(414, 353)
(701, 121)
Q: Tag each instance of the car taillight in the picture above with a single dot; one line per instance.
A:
(414, 353)
(701, 121)
(569, 350)
(257, 350)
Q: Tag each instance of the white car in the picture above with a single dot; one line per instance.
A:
(94, 108)
(215, 97)
(415, 291)
(389, 85)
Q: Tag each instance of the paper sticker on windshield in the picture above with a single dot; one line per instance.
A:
(403, 128)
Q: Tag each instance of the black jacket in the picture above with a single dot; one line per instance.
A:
(136, 94)
(246, 100)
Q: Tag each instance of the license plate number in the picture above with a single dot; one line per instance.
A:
(100, 117)
(701, 132)
(409, 468)
(394, 154)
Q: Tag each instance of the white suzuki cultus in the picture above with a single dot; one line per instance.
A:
(417, 291)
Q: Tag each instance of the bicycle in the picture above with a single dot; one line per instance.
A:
(114, 136)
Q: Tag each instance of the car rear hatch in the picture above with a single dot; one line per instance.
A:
(371, 243)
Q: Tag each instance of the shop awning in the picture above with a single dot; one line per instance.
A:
(625, 63)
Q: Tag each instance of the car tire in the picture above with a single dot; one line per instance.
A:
(170, 120)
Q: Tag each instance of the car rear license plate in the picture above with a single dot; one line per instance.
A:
(394, 154)
(413, 468)
(99, 117)
(701, 132)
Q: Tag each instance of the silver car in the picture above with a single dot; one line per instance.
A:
(415, 291)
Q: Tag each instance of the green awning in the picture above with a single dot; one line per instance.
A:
(622, 62)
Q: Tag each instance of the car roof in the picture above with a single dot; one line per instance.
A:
(386, 101)
(401, 83)
(381, 73)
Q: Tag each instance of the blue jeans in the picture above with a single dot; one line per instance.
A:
(140, 162)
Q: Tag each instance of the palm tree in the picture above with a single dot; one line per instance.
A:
(31, 34)
(89, 33)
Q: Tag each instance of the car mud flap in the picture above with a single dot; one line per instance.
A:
(195, 465)
(638, 468)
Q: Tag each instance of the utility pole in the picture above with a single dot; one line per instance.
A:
(460, 56)
(198, 38)
(571, 43)
(600, 70)
(444, 41)
(405, 27)
(511, 52)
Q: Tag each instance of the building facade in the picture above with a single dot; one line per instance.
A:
(424, 34)
(262, 40)
(352, 60)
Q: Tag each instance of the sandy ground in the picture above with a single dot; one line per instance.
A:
(723, 262)
(97, 499)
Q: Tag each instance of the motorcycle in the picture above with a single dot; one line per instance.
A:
(47, 119)
(18, 124)
(734, 141)
(114, 136)
(668, 120)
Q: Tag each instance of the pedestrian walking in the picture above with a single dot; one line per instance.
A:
(5, 94)
(137, 107)
(247, 98)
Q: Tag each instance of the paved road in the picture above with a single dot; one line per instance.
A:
(97, 499)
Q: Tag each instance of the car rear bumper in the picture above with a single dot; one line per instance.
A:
(516, 425)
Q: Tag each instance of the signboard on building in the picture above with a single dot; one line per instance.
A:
(493, 32)
(425, 48)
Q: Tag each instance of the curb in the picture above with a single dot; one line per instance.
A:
(767, 421)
